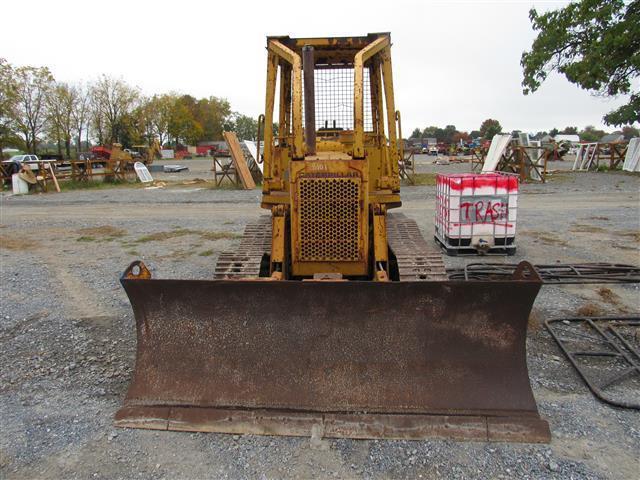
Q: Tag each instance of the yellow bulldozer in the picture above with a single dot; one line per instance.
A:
(333, 317)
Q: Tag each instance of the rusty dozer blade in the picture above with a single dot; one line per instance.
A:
(404, 360)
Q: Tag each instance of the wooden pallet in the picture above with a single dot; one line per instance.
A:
(239, 160)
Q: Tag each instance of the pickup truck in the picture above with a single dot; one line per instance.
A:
(20, 159)
(15, 163)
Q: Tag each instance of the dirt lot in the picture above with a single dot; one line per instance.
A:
(67, 336)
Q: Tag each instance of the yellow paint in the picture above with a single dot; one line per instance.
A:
(317, 233)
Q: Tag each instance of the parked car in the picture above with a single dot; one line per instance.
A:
(22, 159)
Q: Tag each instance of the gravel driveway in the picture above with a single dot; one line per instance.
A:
(67, 337)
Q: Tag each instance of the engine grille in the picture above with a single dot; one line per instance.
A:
(329, 219)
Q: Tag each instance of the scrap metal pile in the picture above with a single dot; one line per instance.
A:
(605, 353)
(557, 273)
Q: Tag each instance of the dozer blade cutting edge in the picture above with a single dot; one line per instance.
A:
(402, 360)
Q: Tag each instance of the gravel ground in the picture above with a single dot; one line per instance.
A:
(67, 336)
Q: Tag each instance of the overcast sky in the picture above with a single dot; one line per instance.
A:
(454, 62)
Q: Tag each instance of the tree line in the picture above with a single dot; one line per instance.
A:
(35, 109)
(491, 127)
(450, 134)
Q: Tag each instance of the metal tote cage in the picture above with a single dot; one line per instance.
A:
(476, 213)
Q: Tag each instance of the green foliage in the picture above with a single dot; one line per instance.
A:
(423, 179)
(489, 128)
(113, 101)
(630, 132)
(61, 102)
(93, 184)
(417, 133)
(570, 131)
(35, 108)
(212, 113)
(594, 44)
(7, 103)
(183, 127)
(192, 120)
(591, 134)
(245, 127)
(29, 113)
(441, 134)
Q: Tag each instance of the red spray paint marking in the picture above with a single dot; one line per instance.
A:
(456, 224)
(481, 212)
(461, 181)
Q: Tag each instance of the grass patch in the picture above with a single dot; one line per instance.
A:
(92, 185)
(635, 236)
(161, 236)
(219, 235)
(422, 179)
(587, 229)
(206, 253)
(15, 243)
(180, 232)
(223, 186)
(558, 177)
(105, 231)
(546, 238)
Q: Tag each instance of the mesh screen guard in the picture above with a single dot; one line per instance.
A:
(334, 98)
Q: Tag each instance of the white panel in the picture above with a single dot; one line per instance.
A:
(499, 144)
(632, 159)
(142, 172)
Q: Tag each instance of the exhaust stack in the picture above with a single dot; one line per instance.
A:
(308, 67)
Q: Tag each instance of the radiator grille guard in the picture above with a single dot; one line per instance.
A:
(329, 219)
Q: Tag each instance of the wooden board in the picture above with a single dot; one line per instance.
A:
(239, 161)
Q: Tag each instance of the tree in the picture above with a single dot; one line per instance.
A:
(80, 114)
(212, 114)
(570, 131)
(553, 132)
(183, 126)
(417, 133)
(8, 90)
(591, 134)
(159, 109)
(432, 132)
(629, 132)
(489, 128)
(245, 127)
(61, 103)
(594, 44)
(475, 134)
(112, 100)
(461, 136)
(33, 85)
(447, 133)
